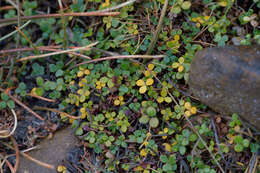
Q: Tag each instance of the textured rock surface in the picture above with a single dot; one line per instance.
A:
(52, 151)
(227, 79)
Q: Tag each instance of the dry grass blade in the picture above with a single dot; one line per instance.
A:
(42, 98)
(12, 33)
(57, 53)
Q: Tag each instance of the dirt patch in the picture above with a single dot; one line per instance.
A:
(52, 151)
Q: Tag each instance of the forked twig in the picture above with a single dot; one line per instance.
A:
(21, 104)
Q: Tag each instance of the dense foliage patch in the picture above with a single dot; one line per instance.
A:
(131, 114)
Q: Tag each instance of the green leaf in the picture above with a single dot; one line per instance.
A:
(39, 81)
(163, 158)
(154, 122)
(4, 97)
(10, 104)
(59, 73)
(123, 89)
(144, 119)
(53, 67)
(186, 5)
(182, 150)
(39, 91)
(246, 143)
(238, 139)
(2, 105)
(79, 131)
(151, 111)
(238, 148)
(37, 70)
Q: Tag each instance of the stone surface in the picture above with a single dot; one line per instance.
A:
(52, 151)
(227, 79)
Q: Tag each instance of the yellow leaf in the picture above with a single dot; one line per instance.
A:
(175, 65)
(80, 91)
(181, 60)
(82, 110)
(143, 152)
(193, 110)
(149, 81)
(146, 171)
(87, 72)
(87, 93)
(222, 3)
(160, 99)
(116, 102)
(187, 113)
(151, 66)
(177, 37)
(142, 89)
(121, 98)
(140, 82)
(187, 105)
(33, 91)
(83, 115)
(206, 17)
(164, 92)
(80, 74)
(180, 68)
(167, 147)
(168, 99)
(147, 73)
(165, 130)
(138, 168)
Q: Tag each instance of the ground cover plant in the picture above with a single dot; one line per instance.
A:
(118, 75)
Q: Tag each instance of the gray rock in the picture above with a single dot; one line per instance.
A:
(227, 79)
